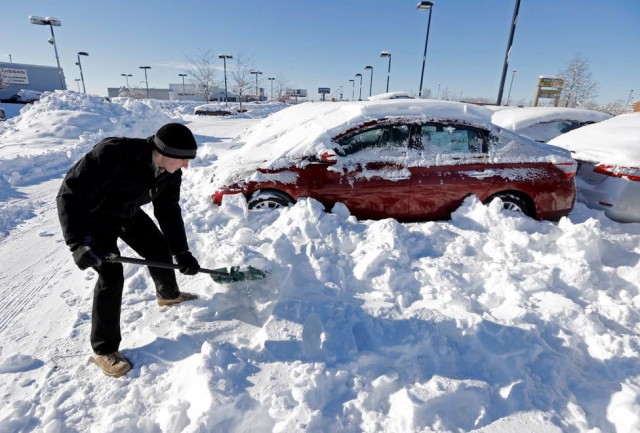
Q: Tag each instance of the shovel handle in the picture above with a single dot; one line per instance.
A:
(158, 264)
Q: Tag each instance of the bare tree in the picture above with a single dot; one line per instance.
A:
(241, 77)
(281, 88)
(579, 85)
(202, 72)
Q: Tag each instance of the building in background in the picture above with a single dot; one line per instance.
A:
(20, 82)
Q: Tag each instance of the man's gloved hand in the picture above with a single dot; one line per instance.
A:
(85, 257)
(188, 264)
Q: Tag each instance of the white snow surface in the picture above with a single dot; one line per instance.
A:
(615, 141)
(490, 322)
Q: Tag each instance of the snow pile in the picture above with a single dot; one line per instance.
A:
(488, 323)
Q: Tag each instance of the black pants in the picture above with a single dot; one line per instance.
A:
(144, 237)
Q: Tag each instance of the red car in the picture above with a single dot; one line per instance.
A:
(412, 160)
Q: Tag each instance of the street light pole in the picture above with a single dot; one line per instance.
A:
(383, 55)
(629, 100)
(224, 58)
(371, 79)
(50, 21)
(438, 94)
(77, 80)
(360, 94)
(256, 73)
(425, 5)
(82, 53)
(146, 81)
(126, 77)
(272, 80)
(353, 88)
(514, 20)
(510, 85)
(182, 75)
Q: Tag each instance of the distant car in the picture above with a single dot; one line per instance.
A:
(608, 155)
(412, 160)
(212, 110)
(545, 123)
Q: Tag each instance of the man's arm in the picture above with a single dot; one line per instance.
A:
(166, 208)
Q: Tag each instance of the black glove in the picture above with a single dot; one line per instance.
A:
(85, 257)
(188, 264)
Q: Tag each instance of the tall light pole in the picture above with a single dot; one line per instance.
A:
(82, 53)
(508, 53)
(360, 94)
(182, 75)
(224, 58)
(383, 55)
(510, 85)
(438, 94)
(425, 5)
(146, 81)
(126, 77)
(50, 21)
(256, 73)
(353, 88)
(272, 80)
(371, 79)
(77, 80)
(629, 100)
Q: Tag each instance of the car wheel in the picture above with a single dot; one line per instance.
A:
(512, 202)
(269, 200)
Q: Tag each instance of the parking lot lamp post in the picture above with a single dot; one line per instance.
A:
(360, 94)
(438, 94)
(629, 100)
(82, 53)
(146, 81)
(50, 21)
(425, 5)
(514, 20)
(383, 55)
(272, 80)
(371, 79)
(256, 73)
(182, 75)
(126, 77)
(510, 85)
(224, 58)
(77, 80)
(353, 88)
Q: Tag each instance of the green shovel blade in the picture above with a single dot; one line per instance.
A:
(234, 274)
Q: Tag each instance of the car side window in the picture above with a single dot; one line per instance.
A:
(449, 139)
(389, 136)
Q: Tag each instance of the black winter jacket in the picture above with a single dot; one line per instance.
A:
(112, 181)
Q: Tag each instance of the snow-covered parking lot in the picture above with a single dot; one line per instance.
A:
(490, 322)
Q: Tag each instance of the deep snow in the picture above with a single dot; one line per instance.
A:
(490, 322)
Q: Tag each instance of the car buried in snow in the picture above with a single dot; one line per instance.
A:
(608, 155)
(545, 123)
(412, 160)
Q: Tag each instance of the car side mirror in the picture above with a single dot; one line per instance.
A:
(328, 157)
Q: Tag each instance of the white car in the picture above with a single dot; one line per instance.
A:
(545, 123)
(608, 155)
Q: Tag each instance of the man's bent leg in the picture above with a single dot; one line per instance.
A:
(107, 300)
(141, 234)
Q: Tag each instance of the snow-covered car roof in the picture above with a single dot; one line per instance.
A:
(519, 118)
(307, 130)
(613, 141)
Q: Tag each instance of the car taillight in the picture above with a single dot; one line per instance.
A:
(631, 173)
(568, 168)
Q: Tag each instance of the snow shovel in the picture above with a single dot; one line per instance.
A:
(220, 275)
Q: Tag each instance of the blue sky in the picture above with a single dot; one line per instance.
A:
(325, 43)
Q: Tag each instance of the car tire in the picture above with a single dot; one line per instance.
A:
(513, 203)
(269, 200)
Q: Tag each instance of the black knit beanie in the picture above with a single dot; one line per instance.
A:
(175, 141)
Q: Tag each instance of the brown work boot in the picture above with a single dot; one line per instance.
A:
(112, 364)
(183, 296)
